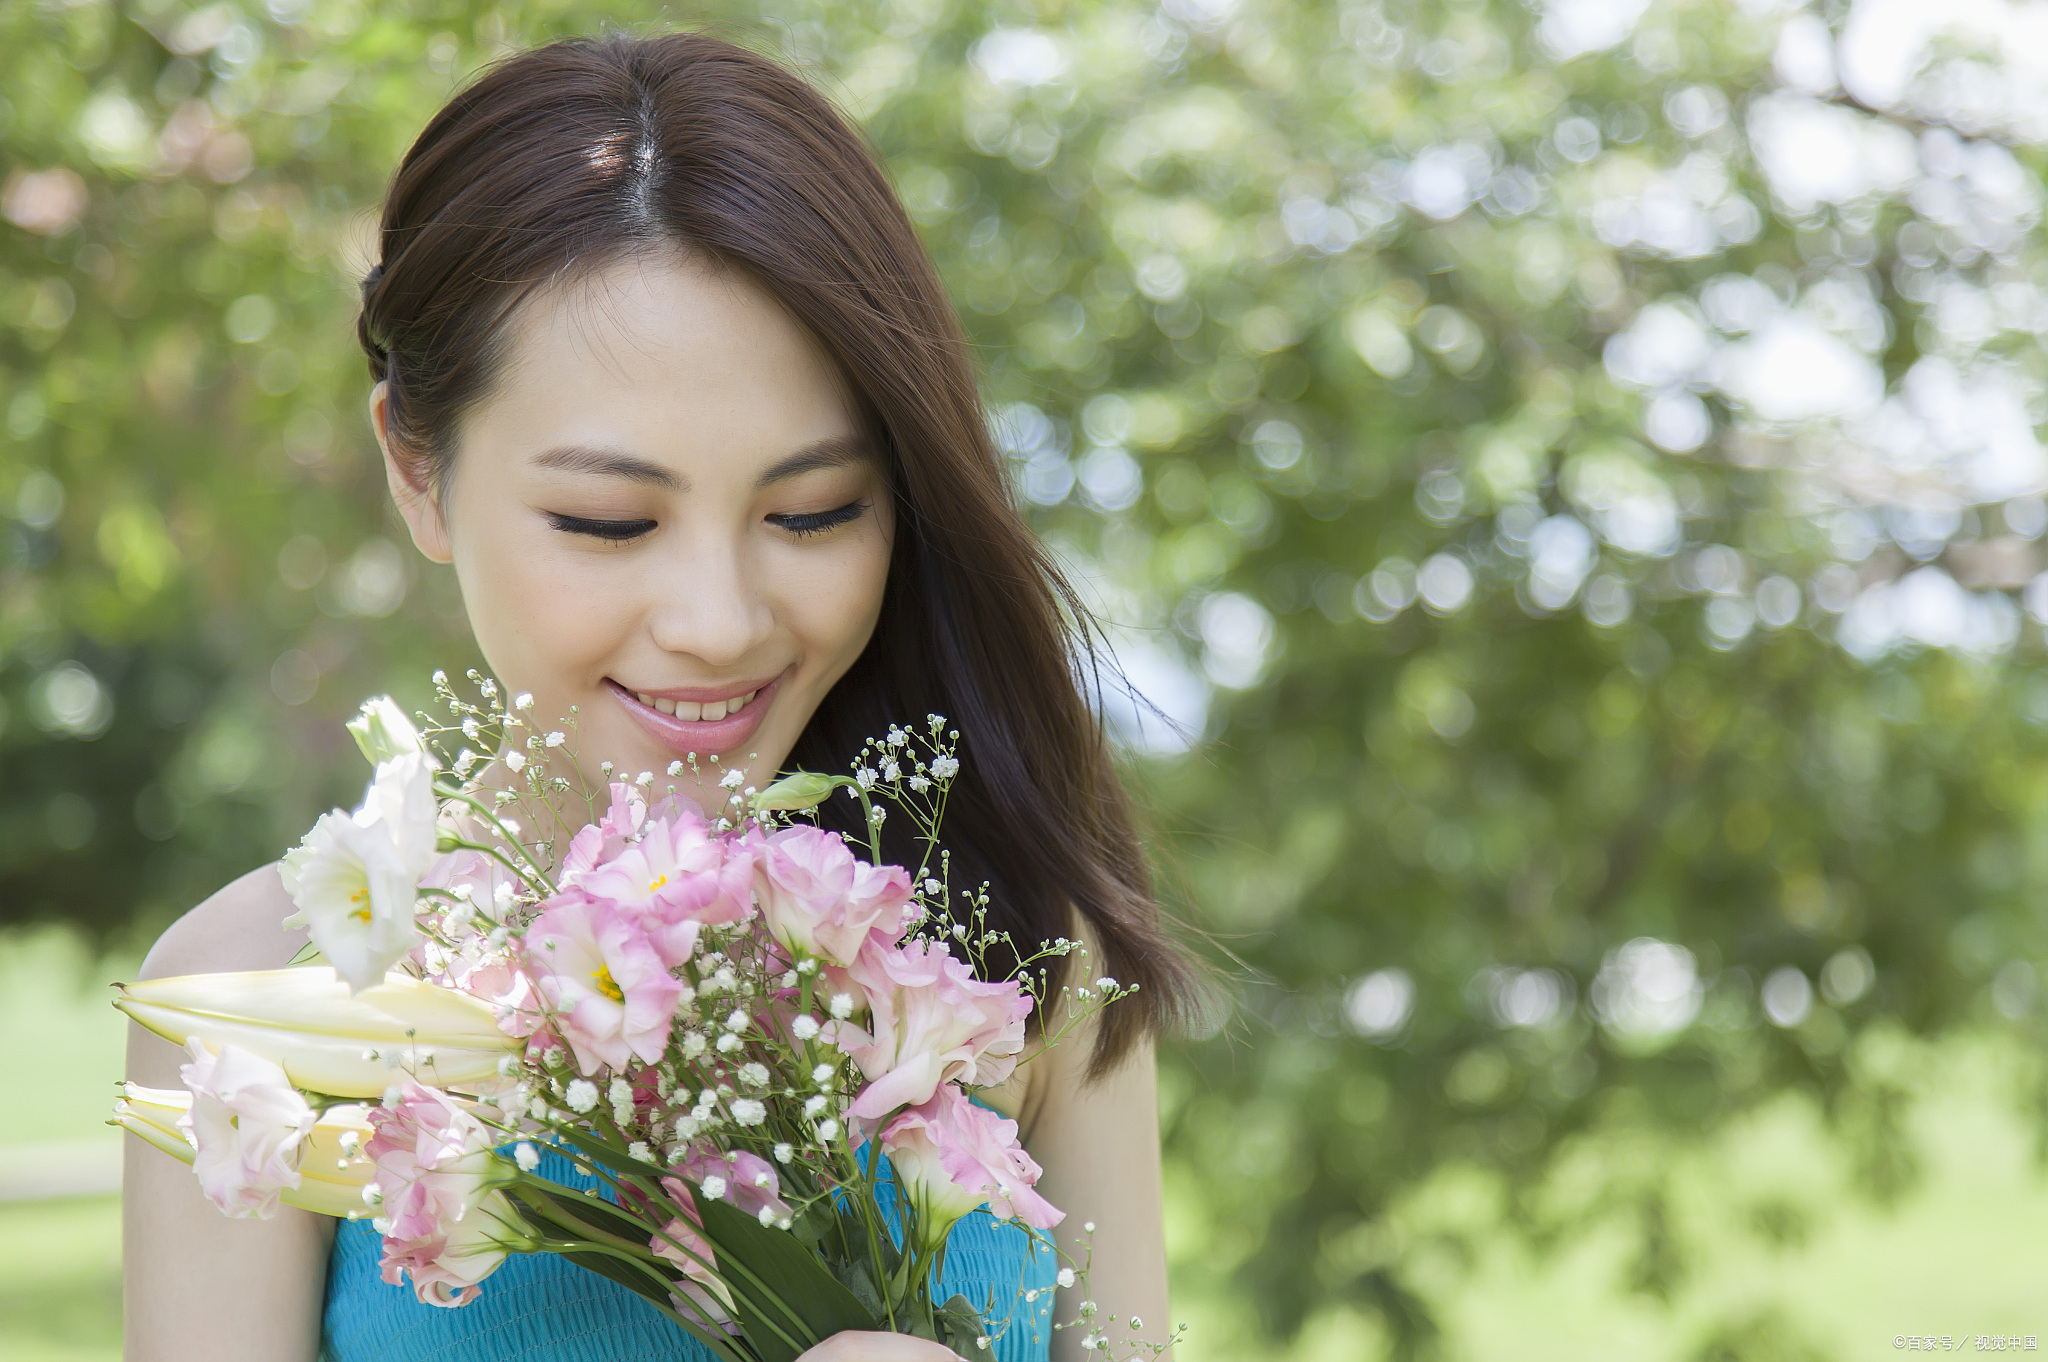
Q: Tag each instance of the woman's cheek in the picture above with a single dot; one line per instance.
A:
(541, 621)
(835, 603)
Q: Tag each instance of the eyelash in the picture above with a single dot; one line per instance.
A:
(612, 531)
(804, 526)
(621, 531)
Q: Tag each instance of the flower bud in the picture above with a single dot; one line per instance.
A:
(383, 731)
(803, 790)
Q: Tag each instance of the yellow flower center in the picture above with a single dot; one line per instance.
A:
(659, 881)
(361, 900)
(607, 986)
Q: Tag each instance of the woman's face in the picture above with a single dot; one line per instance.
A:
(666, 516)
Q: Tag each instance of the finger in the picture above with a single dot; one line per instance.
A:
(853, 1346)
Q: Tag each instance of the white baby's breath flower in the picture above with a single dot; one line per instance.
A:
(675, 768)
(515, 761)
(828, 1131)
(639, 1150)
(732, 779)
(784, 1152)
(714, 1186)
(1066, 1277)
(823, 1075)
(738, 1021)
(526, 1156)
(749, 1112)
(804, 1027)
(693, 1044)
(754, 1075)
(557, 738)
(842, 1005)
(945, 768)
(620, 1093)
(581, 1096)
(728, 1043)
(812, 1106)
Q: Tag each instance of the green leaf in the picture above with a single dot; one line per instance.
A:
(961, 1326)
(591, 1210)
(817, 1304)
(856, 1277)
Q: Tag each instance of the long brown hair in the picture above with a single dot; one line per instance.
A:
(558, 161)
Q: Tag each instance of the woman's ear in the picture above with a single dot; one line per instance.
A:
(416, 503)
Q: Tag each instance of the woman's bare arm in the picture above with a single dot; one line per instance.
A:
(1098, 1143)
(200, 1287)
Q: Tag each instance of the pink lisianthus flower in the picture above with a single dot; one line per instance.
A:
(443, 1216)
(679, 877)
(249, 1126)
(702, 1295)
(819, 899)
(603, 840)
(743, 1178)
(606, 985)
(930, 1022)
(951, 1155)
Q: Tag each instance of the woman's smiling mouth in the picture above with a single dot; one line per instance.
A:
(699, 720)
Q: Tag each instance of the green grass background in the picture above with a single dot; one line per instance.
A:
(1784, 1257)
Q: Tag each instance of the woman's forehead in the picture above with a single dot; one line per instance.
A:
(668, 359)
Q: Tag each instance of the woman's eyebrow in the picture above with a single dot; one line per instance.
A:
(610, 464)
(834, 451)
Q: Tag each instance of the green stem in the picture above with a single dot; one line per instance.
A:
(761, 1291)
(721, 1346)
(533, 875)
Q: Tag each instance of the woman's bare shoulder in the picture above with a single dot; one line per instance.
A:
(240, 927)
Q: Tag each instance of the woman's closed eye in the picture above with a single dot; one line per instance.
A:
(613, 531)
(808, 523)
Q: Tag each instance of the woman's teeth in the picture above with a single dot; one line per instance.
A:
(694, 712)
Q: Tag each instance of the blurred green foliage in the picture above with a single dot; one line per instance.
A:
(1570, 464)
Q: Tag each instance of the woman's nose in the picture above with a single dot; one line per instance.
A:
(709, 605)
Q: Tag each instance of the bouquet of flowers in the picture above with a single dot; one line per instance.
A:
(757, 1047)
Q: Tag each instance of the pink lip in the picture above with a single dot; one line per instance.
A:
(702, 736)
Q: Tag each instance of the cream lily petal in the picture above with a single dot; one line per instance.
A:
(307, 1021)
(152, 1115)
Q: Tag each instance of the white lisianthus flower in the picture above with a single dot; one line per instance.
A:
(355, 877)
(248, 1126)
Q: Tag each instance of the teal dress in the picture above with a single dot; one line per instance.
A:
(538, 1307)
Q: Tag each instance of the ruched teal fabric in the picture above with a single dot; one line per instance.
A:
(540, 1308)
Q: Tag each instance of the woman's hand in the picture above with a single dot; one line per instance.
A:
(865, 1347)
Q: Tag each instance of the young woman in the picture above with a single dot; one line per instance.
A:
(663, 371)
